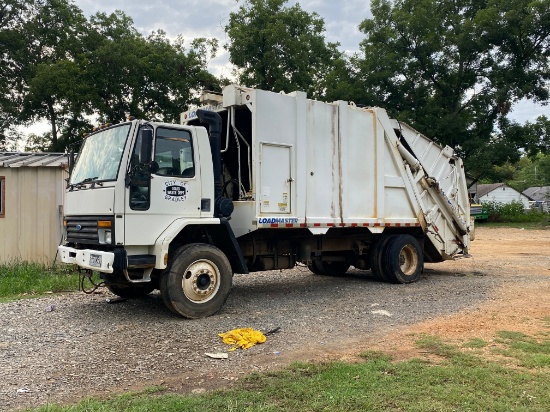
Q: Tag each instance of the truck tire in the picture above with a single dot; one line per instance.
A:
(402, 259)
(163, 286)
(313, 268)
(118, 285)
(332, 268)
(375, 258)
(197, 282)
(328, 268)
(132, 291)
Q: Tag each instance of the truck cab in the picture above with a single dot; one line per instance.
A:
(134, 189)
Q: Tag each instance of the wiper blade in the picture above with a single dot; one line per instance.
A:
(87, 180)
(82, 184)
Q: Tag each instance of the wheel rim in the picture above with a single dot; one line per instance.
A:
(408, 260)
(201, 281)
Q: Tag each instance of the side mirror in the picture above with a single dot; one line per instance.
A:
(146, 148)
(71, 161)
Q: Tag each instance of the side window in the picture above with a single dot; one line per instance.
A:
(2, 196)
(174, 153)
(140, 184)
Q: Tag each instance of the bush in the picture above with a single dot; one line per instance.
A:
(512, 212)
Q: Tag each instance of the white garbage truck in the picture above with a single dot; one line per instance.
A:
(260, 181)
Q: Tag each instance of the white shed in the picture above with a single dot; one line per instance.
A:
(501, 193)
(32, 187)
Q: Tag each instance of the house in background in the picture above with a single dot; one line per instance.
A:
(501, 193)
(538, 193)
(32, 187)
(541, 197)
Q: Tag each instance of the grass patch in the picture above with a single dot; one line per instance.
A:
(458, 382)
(476, 344)
(374, 356)
(527, 351)
(542, 225)
(29, 279)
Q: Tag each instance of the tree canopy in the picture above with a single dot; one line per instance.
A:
(280, 48)
(453, 69)
(71, 71)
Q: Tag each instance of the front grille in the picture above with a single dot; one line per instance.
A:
(84, 229)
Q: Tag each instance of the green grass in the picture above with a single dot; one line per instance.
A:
(542, 224)
(475, 343)
(526, 351)
(454, 381)
(19, 280)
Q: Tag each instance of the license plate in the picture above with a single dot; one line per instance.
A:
(95, 260)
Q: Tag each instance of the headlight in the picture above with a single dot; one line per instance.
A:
(105, 237)
(108, 239)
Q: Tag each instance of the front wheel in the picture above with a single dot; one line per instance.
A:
(118, 285)
(131, 291)
(197, 282)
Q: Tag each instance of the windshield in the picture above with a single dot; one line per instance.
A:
(100, 155)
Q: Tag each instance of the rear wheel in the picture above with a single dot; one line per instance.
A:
(402, 259)
(197, 282)
(329, 268)
(313, 267)
(375, 258)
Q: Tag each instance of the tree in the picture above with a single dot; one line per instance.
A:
(454, 69)
(539, 135)
(171, 76)
(147, 77)
(12, 17)
(67, 70)
(529, 172)
(50, 77)
(279, 48)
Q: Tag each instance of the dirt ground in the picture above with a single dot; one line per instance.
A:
(74, 351)
(521, 306)
(520, 257)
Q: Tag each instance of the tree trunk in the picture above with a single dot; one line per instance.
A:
(53, 119)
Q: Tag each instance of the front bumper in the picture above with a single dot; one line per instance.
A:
(88, 259)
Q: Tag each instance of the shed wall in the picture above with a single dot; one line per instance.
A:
(32, 226)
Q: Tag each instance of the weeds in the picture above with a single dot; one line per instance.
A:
(22, 279)
(513, 212)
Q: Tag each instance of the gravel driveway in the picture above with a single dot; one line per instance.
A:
(64, 347)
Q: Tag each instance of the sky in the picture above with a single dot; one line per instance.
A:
(207, 18)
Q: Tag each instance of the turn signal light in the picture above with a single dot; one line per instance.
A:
(104, 223)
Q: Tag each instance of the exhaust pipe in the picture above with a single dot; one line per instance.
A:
(222, 206)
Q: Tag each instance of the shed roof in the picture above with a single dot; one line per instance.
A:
(540, 193)
(482, 190)
(22, 159)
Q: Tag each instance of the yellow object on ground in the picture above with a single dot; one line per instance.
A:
(243, 338)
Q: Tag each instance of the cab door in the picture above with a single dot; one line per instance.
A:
(171, 190)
